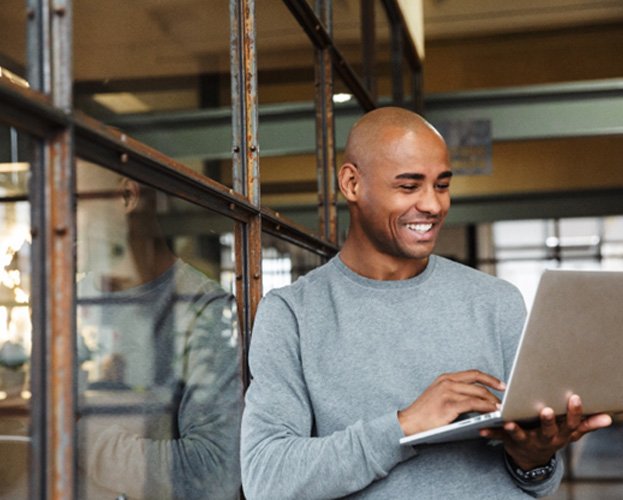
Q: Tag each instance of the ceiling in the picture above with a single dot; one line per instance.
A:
(121, 39)
(451, 18)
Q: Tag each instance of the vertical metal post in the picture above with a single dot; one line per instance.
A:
(38, 43)
(244, 99)
(38, 60)
(417, 92)
(246, 164)
(397, 58)
(368, 38)
(403, 48)
(471, 234)
(325, 131)
(61, 275)
(53, 404)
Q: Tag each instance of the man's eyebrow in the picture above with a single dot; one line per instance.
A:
(414, 176)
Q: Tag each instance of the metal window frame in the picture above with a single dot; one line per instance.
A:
(61, 135)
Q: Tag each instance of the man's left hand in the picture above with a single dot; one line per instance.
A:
(534, 448)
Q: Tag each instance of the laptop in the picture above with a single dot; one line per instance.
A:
(572, 343)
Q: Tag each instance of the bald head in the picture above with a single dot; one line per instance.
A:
(369, 135)
(396, 179)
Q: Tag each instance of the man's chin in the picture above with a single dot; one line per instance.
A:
(411, 253)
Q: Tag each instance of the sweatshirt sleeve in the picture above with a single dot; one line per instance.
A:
(280, 456)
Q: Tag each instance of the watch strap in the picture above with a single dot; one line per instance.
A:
(535, 475)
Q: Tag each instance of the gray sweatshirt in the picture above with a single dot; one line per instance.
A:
(335, 356)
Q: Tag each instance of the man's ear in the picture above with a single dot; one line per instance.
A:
(131, 193)
(348, 181)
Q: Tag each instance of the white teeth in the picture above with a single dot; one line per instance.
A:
(420, 228)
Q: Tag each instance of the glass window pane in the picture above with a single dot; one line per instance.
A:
(289, 186)
(580, 252)
(347, 31)
(15, 322)
(383, 69)
(524, 275)
(284, 262)
(612, 250)
(408, 80)
(521, 233)
(613, 228)
(13, 39)
(579, 230)
(453, 243)
(285, 57)
(522, 253)
(612, 246)
(286, 94)
(593, 490)
(160, 72)
(581, 264)
(599, 455)
(158, 345)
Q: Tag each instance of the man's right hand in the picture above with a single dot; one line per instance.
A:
(447, 397)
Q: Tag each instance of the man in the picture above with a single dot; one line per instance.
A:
(386, 340)
(161, 415)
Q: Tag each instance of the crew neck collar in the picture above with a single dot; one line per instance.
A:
(385, 284)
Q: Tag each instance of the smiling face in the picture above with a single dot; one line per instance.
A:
(397, 182)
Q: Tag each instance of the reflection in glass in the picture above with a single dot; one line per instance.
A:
(408, 81)
(151, 56)
(285, 58)
(156, 69)
(13, 41)
(347, 31)
(284, 262)
(599, 455)
(158, 348)
(15, 323)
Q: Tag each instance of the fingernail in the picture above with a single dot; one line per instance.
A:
(502, 386)
(605, 420)
(498, 406)
(575, 400)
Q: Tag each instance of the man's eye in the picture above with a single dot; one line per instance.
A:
(443, 187)
(408, 187)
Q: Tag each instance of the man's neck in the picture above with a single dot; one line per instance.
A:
(385, 268)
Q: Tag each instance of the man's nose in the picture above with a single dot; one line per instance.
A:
(428, 201)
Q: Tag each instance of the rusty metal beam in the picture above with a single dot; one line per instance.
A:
(394, 14)
(321, 39)
(368, 46)
(29, 111)
(397, 36)
(276, 224)
(403, 46)
(61, 271)
(38, 304)
(29, 120)
(117, 151)
(246, 172)
(60, 317)
(325, 132)
(45, 112)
